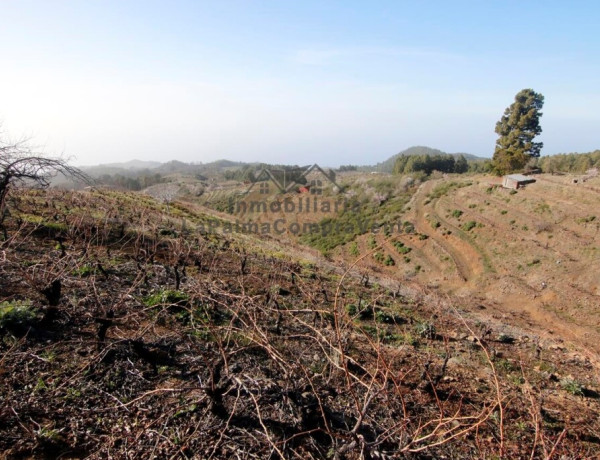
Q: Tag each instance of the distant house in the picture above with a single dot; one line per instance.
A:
(516, 181)
(304, 189)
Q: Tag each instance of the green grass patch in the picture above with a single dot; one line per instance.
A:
(17, 315)
(166, 297)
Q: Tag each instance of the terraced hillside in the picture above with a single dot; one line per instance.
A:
(531, 257)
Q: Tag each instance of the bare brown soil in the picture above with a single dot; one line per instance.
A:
(138, 336)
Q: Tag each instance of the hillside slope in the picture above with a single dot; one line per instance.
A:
(130, 332)
(530, 256)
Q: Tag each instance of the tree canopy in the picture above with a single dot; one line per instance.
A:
(444, 162)
(516, 130)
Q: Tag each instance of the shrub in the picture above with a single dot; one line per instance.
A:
(572, 386)
(408, 227)
(372, 243)
(505, 338)
(389, 261)
(401, 248)
(166, 297)
(426, 330)
(457, 213)
(362, 309)
(16, 316)
(387, 318)
(468, 226)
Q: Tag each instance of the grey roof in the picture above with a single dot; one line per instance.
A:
(520, 177)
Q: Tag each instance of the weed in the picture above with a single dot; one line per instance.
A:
(84, 271)
(505, 338)
(363, 310)
(408, 227)
(401, 248)
(572, 386)
(468, 226)
(585, 220)
(16, 315)
(371, 242)
(425, 330)
(542, 208)
(504, 365)
(387, 318)
(166, 297)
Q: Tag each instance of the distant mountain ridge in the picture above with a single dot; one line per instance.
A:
(388, 165)
(132, 164)
(176, 166)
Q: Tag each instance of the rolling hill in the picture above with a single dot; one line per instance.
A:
(388, 165)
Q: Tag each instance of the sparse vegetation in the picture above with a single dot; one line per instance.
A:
(207, 335)
(16, 316)
(572, 386)
(468, 226)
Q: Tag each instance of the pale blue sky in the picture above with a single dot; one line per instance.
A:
(292, 82)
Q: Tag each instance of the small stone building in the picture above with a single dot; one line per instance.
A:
(516, 181)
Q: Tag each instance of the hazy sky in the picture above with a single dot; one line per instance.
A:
(292, 81)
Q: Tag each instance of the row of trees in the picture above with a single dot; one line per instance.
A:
(570, 162)
(138, 182)
(407, 164)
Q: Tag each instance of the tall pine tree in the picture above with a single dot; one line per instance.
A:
(516, 130)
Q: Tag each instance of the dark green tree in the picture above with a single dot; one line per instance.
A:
(461, 165)
(516, 130)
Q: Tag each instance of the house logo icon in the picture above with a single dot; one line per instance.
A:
(309, 179)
